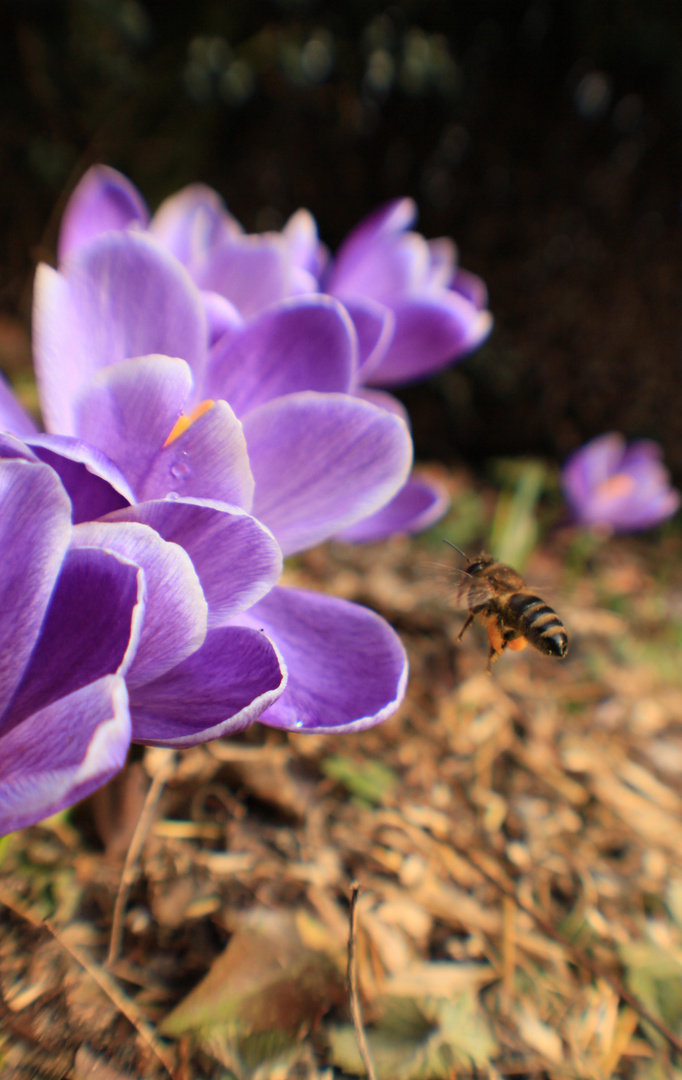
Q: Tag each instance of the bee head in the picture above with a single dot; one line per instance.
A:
(479, 565)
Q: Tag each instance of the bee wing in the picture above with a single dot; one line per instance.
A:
(473, 591)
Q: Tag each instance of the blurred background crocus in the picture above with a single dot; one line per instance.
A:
(414, 309)
(619, 487)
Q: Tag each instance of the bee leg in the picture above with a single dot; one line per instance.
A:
(497, 639)
(466, 626)
(493, 654)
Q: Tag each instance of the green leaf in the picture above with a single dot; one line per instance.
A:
(369, 780)
(655, 977)
(420, 1041)
(514, 530)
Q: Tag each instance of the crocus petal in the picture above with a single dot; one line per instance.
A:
(128, 411)
(104, 199)
(305, 249)
(321, 463)
(222, 317)
(592, 465)
(471, 287)
(443, 263)
(383, 400)
(13, 416)
(347, 667)
(430, 333)
(251, 271)
(13, 447)
(35, 530)
(209, 460)
(191, 222)
(298, 345)
(236, 558)
(417, 506)
(94, 484)
(375, 325)
(219, 690)
(120, 296)
(91, 629)
(176, 610)
(43, 771)
(391, 218)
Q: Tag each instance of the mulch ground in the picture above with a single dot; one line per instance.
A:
(517, 839)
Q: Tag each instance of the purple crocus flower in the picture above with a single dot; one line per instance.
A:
(413, 310)
(203, 565)
(386, 274)
(132, 420)
(619, 487)
(70, 626)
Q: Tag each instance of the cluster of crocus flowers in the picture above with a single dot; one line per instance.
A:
(205, 400)
(618, 487)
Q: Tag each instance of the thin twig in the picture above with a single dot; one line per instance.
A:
(163, 770)
(103, 979)
(356, 1014)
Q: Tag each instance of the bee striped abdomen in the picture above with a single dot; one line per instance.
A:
(537, 622)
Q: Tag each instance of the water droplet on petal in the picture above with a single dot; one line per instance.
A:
(181, 470)
(172, 495)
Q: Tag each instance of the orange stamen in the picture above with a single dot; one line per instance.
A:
(618, 486)
(186, 420)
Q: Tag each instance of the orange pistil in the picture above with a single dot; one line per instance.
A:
(186, 420)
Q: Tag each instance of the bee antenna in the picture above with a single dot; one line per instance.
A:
(458, 550)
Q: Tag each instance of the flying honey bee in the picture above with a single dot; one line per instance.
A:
(512, 615)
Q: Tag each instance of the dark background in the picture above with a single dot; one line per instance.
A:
(546, 138)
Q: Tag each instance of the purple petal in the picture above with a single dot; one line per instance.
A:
(591, 465)
(176, 610)
(643, 453)
(35, 529)
(191, 222)
(360, 244)
(128, 411)
(471, 287)
(383, 400)
(13, 416)
(417, 506)
(236, 558)
(394, 267)
(219, 690)
(224, 321)
(121, 296)
(375, 325)
(298, 345)
(103, 200)
(208, 461)
(94, 484)
(91, 629)
(347, 667)
(322, 462)
(443, 264)
(42, 771)
(430, 333)
(252, 272)
(13, 447)
(305, 249)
